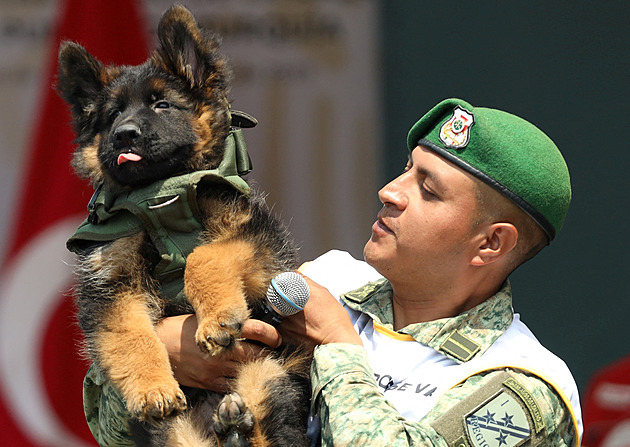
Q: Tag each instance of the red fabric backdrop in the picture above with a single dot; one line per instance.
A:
(606, 406)
(114, 31)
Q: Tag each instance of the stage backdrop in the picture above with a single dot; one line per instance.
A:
(307, 70)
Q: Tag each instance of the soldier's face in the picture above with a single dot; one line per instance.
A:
(424, 229)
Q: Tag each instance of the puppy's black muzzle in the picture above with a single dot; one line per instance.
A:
(126, 135)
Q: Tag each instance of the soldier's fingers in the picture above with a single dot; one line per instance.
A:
(262, 332)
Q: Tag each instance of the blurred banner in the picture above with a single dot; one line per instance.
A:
(306, 69)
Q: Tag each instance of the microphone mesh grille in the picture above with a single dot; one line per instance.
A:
(288, 293)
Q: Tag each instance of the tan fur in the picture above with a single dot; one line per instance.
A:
(109, 74)
(216, 287)
(253, 385)
(203, 129)
(249, 383)
(87, 164)
(254, 394)
(194, 428)
(156, 84)
(184, 432)
(121, 258)
(136, 360)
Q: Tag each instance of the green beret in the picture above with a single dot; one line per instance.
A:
(504, 151)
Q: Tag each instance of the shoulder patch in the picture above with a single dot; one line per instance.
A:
(500, 421)
(529, 402)
(502, 413)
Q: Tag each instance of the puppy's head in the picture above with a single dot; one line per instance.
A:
(139, 124)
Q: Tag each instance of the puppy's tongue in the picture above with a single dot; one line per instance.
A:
(129, 156)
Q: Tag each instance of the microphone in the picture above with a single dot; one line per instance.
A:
(287, 295)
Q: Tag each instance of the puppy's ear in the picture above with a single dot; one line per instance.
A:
(189, 52)
(80, 79)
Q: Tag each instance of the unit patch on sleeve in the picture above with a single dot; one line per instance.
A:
(499, 422)
(502, 413)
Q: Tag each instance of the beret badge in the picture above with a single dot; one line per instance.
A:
(455, 132)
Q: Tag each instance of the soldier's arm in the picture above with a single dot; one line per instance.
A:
(353, 411)
(105, 411)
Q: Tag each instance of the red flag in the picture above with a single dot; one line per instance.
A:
(40, 370)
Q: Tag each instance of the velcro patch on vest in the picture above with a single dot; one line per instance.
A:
(502, 413)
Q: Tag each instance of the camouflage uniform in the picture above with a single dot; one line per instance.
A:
(105, 411)
(351, 405)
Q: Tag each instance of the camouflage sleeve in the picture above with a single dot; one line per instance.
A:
(354, 412)
(557, 427)
(105, 411)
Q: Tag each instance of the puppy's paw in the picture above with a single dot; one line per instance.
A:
(156, 399)
(233, 422)
(219, 333)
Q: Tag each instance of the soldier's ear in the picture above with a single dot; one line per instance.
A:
(496, 242)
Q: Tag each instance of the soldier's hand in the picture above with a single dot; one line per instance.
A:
(323, 321)
(193, 368)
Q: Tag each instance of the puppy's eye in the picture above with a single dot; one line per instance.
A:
(114, 114)
(162, 105)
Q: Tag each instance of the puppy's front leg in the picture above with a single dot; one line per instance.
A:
(218, 282)
(117, 307)
(136, 360)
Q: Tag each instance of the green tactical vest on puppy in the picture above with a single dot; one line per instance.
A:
(167, 210)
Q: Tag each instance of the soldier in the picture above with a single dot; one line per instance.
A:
(425, 348)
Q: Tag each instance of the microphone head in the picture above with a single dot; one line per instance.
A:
(288, 293)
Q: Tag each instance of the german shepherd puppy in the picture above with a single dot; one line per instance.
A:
(155, 140)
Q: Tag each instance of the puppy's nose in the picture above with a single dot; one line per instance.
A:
(126, 134)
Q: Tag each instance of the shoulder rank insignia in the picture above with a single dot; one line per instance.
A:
(459, 346)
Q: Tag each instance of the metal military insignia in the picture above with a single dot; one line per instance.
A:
(500, 422)
(455, 133)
